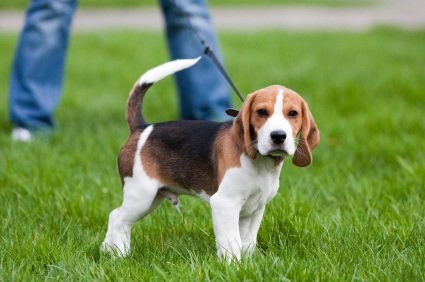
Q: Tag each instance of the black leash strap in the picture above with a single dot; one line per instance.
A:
(209, 51)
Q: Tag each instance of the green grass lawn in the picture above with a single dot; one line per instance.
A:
(356, 214)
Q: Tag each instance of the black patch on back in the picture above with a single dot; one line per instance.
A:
(187, 146)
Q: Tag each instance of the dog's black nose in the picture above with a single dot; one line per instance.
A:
(278, 137)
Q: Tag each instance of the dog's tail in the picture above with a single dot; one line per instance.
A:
(135, 99)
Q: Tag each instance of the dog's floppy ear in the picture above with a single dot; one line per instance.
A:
(232, 112)
(242, 127)
(310, 137)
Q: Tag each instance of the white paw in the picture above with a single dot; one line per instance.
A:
(116, 250)
(229, 257)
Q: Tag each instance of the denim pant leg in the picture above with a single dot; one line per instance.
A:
(203, 91)
(38, 67)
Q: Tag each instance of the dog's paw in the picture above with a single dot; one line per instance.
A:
(229, 257)
(114, 250)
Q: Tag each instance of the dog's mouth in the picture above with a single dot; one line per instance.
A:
(275, 151)
(279, 152)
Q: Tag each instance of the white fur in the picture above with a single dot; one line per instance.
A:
(276, 122)
(139, 198)
(161, 71)
(238, 205)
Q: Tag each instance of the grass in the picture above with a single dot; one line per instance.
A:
(356, 214)
(19, 4)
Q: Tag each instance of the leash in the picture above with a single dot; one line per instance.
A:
(208, 50)
(210, 53)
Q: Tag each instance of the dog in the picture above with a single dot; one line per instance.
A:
(235, 165)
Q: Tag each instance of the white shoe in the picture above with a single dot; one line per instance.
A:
(21, 134)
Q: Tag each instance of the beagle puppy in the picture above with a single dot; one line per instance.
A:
(235, 166)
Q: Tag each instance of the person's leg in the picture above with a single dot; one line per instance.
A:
(37, 71)
(203, 91)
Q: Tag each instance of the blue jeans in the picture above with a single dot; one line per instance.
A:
(37, 71)
(38, 68)
(203, 91)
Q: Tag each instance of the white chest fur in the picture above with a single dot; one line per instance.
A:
(250, 186)
(258, 183)
(239, 204)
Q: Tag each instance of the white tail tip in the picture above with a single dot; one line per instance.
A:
(161, 71)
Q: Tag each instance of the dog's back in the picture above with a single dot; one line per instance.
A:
(188, 145)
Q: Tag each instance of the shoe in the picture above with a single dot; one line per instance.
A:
(21, 134)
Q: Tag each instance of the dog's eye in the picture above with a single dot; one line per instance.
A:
(292, 113)
(262, 113)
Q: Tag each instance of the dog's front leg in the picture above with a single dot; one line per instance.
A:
(225, 214)
(249, 226)
(139, 198)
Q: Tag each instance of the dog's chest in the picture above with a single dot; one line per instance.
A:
(262, 189)
(254, 184)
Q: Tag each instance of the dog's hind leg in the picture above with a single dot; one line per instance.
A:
(140, 196)
(138, 201)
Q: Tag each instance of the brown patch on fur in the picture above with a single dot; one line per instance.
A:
(248, 122)
(310, 137)
(303, 124)
(134, 105)
(228, 152)
(151, 165)
(293, 102)
(126, 156)
(241, 128)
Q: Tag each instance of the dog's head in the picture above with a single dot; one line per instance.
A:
(270, 121)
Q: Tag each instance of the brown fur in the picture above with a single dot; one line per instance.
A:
(228, 152)
(242, 128)
(303, 125)
(126, 156)
(134, 105)
(151, 165)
